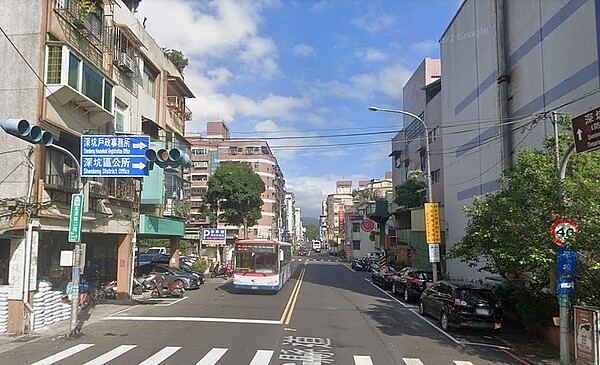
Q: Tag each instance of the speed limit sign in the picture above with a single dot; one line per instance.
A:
(562, 230)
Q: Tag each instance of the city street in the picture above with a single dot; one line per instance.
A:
(326, 314)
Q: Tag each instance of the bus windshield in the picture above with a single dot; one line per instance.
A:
(254, 259)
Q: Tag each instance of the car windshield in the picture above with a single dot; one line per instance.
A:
(423, 275)
(145, 257)
(478, 296)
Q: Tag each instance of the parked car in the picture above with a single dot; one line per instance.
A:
(384, 277)
(163, 250)
(146, 258)
(411, 282)
(302, 251)
(374, 256)
(183, 265)
(172, 274)
(462, 304)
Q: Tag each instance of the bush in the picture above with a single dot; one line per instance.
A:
(200, 265)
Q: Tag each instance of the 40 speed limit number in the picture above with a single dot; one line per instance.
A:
(562, 230)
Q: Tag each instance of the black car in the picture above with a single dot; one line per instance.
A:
(183, 265)
(172, 274)
(411, 282)
(462, 304)
(384, 277)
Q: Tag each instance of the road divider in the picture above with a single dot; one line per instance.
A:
(286, 317)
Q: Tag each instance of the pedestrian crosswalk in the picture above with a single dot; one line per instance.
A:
(212, 357)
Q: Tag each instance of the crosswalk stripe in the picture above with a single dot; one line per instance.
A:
(463, 363)
(160, 356)
(63, 354)
(112, 354)
(262, 357)
(212, 357)
(412, 361)
(362, 360)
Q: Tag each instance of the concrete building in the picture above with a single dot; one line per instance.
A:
(75, 73)
(422, 97)
(499, 70)
(334, 214)
(207, 153)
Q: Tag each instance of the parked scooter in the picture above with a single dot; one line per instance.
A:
(172, 290)
(224, 271)
(84, 299)
(110, 289)
(138, 287)
(361, 264)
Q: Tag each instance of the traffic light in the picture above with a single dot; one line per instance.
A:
(163, 158)
(27, 131)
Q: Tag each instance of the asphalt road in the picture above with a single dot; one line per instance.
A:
(326, 314)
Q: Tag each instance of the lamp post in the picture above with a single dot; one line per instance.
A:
(428, 155)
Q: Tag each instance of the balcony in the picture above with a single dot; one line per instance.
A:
(88, 24)
(115, 188)
(60, 183)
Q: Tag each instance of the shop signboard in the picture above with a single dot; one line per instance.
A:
(586, 338)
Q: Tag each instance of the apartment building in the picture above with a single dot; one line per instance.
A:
(218, 146)
(75, 72)
(334, 208)
(421, 97)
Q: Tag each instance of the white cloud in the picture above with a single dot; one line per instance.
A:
(303, 49)
(425, 47)
(371, 55)
(373, 23)
(392, 80)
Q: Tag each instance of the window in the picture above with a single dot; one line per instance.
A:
(121, 117)
(65, 68)
(356, 245)
(355, 227)
(149, 80)
(53, 75)
(436, 175)
(200, 164)
(199, 178)
(433, 134)
(198, 151)
(233, 150)
(423, 158)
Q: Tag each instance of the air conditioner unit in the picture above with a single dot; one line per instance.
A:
(125, 63)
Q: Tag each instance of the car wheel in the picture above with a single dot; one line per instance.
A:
(421, 309)
(394, 291)
(179, 283)
(444, 321)
(406, 295)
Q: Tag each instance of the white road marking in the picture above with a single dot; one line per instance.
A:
(112, 354)
(193, 319)
(412, 361)
(362, 360)
(262, 357)
(463, 363)
(160, 356)
(63, 354)
(212, 357)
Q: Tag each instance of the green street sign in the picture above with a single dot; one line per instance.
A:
(75, 218)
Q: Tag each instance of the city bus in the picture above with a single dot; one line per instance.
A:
(261, 264)
(316, 245)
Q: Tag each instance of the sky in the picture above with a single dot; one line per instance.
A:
(301, 74)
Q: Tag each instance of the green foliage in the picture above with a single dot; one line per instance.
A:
(85, 7)
(508, 232)
(200, 265)
(182, 210)
(312, 232)
(411, 193)
(236, 190)
(177, 58)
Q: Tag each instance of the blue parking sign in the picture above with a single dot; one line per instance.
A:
(567, 261)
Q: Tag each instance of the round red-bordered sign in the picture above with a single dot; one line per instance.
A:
(331, 225)
(367, 225)
(562, 230)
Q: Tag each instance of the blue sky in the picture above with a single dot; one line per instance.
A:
(301, 75)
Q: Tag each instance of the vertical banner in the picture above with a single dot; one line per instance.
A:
(585, 335)
(432, 223)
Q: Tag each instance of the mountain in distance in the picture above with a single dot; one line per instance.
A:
(309, 221)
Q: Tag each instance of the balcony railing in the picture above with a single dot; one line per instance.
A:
(58, 182)
(119, 189)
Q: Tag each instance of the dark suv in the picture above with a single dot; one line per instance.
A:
(462, 304)
(411, 282)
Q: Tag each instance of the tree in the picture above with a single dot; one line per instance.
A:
(508, 232)
(235, 190)
(411, 193)
(177, 58)
(312, 232)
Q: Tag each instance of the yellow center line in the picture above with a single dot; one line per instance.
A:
(289, 307)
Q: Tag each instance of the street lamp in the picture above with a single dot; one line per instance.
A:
(428, 155)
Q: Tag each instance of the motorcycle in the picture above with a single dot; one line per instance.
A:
(360, 265)
(174, 290)
(137, 287)
(223, 271)
(109, 289)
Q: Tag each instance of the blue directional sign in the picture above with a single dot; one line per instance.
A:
(114, 156)
(567, 261)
